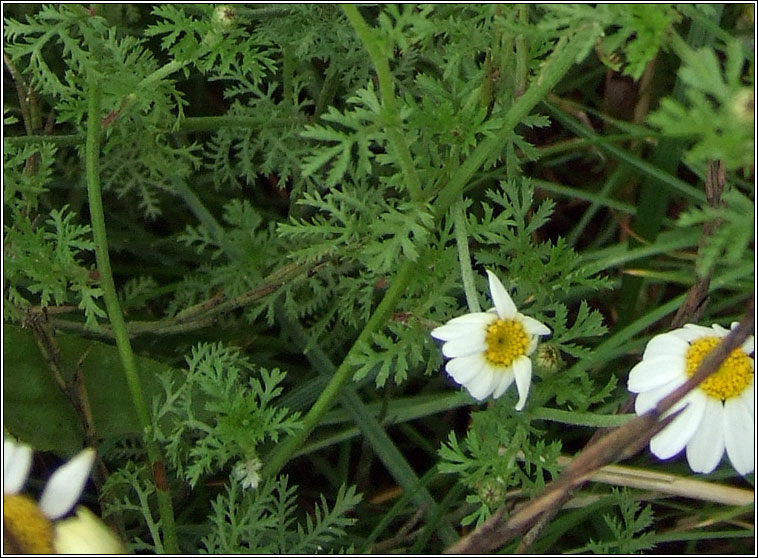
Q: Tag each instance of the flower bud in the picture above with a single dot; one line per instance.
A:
(547, 358)
(224, 17)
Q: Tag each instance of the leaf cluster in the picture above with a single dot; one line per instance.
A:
(629, 532)
(500, 451)
(718, 114)
(634, 33)
(265, 522)
(734, 233)
(45, 262)
(218, 411)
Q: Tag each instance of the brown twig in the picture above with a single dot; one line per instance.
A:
(693, 307)
(617, 444)
(203, 314)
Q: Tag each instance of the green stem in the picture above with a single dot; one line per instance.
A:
(387, 89)
(467, 274)
(581, 419)
(565, 54)
(162, 72)
(64, 140)
(113, 307)
(213, 123)
(190, 124)
(197, 207)
(282, 453)
(288, 72)
(522, 53)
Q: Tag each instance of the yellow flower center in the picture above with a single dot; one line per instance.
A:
(732, 376)
(27, 530)
(506, 341)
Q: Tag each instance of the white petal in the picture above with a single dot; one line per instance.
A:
(706, 448)
(474, 318)
(653, 372)
(462, 325)
(503, 302)
(739, 430)
(749, 345)
(504, 382)
(465, 345)
(450, 331)
(748, 396)
(721, 331)
(85, 534)
(533, 342)
(672, 439)
(65, 485)
(522, 371)
(17, 460)
(463, 369)
(701, 331)
(650, 398)
(480, 386)
(534, 327)
(666, 344)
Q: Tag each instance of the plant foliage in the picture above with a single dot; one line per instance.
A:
(354, 172)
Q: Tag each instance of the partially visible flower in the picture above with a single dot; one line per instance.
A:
(85, 533)
(248, 472)
(29, 526)
(718, 414)
(488, 350)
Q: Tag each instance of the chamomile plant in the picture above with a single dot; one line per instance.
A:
(323, 278)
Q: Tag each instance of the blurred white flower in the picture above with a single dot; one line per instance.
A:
(29, 525)
(488, 350)
(718, 415)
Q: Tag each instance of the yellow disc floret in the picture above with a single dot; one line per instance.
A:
(506, 341)
(730, 379)
(27, 530)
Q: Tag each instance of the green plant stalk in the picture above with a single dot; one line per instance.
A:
(213, 123)
(467, 274)
(563, 57)
(522, 53)
(97, 217)
(387, 89)
(288, 72)
(581, 419)
(282, 453)
(189, 124)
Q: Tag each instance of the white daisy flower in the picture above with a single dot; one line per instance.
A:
(718, 414)
(488, 350)
(29, 526)
(248, 472)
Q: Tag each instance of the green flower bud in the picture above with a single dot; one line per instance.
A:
(742, 105)
(492, 492)
(547, 358)
(224, 17)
